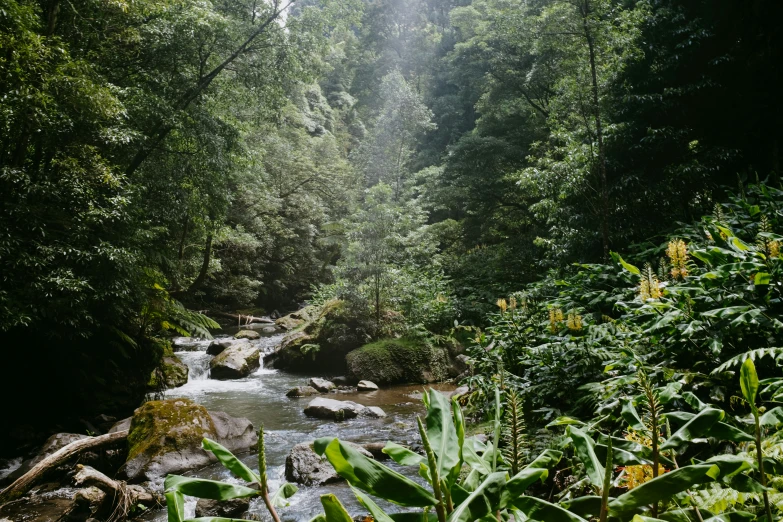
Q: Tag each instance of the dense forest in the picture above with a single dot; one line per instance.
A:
(580, 200)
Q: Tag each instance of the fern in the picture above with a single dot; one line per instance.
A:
(514, 433)
(775, 353)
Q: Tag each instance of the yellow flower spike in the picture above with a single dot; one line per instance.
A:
(502, 304)
(574, 322)
(649, 288)
(677, 252)
(512, 303)
(555, 318)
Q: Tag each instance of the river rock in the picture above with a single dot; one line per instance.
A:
(233, 508)
(165, 437)
(332, 409)
(372, 412)
(121, 425)
(322, 385)
(304, 466)
(39, 508)
(187, 344)
(341, 380)
(367, 386)
(172, 373)
(462, 390)
(235, 362)
(247, 334)
(302, 391)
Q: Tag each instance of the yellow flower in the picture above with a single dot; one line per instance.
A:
(678, 257)
(574, 322)
(649, 288)
(555, 318)
(639, 474)
(502, 304)
(512, 303)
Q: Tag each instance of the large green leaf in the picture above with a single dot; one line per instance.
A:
(773, 417)
(378, 514)
(233, 464)
(402, 455)
(698, 427)
(548, 459)
(203, 488)
(543, 511)
(719, 430)
(586, 506)
(484, 499)
(334, 511)
(371, 476)
(517, 484)
(584, 446)
(417, 516)
(474, 460)
(283, 493)
(442, 433)
(631, 416)
(217, 519)
(669, 484)
(627, 266)
(175, 506)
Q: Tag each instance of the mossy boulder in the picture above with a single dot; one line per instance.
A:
(390, 361)
(171, 373)
(165, 437)
(235, 362)
(296, 319)
(321, 342)
(247, 334)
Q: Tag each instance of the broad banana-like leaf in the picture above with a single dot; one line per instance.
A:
(203, 488)
(746, 484)
(640, 518)
(371, 476)
(631, 416)
(627, 266)
(442, 433)
(587, 506)
(669, 484)
(642, 453)
(734, 516)
(772, 417)
(283, 493)
(475, 461)
(483, 500)
(585, 450)
(749, 382)
(402, 455)
(620, 457)
(543, 511)
(334, 511)
(378, 514)
(459, 423)
(175, 506)
(319, 518)
(233, 464)
(719, 430)
(565, 421)
(698, 427)
(548, 459)
(693, 401)
(517, 484)
(217, 519)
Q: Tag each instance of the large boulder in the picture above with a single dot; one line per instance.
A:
(320, 342)
(165, 437)
(172, 373)
(296, 319)
(235, 362)
(231, 509)
(367, 386)
(304, 466)
(247, 334)
(217, 346)
(390, 361)
(322, 385)
(302, 391)
(332, 409)
(372, 412)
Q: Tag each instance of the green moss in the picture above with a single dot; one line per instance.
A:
(170, 374)
(398, 360)
(161, 426)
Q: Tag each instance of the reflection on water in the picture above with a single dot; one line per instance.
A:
(261, 398)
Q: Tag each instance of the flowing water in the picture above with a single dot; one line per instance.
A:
(261, 398)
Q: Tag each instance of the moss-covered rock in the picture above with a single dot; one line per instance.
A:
(296, 319)
(399, 360)
(321, 342)
(165, 437)
(247, 334)
(235, 362)
(171, 373)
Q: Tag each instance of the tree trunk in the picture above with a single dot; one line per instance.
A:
(23, 484)
(598, 131)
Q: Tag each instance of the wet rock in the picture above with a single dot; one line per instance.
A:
(342, 380)
(296, 319)
(92, 498)
(322, 385)
(235, 362)
(372, 412)
(165, 437)
(376, 450)
(44, 509)
(462, 390)
(122, 425)
(332, 409)
(187, 344)
(302, 391)
(247, 334)
(233, 508)
(217, 346)
(304, 466)
(399, 360)
(172, 373)
(366, 386)
(54, 444)
(269, 329)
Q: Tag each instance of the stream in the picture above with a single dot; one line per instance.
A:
(261, 398)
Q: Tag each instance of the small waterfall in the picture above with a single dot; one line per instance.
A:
(197, 363)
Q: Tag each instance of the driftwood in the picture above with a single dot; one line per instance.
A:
(119, 497)
(23, 484)
(242, 319)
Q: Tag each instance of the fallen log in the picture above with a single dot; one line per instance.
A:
(241, 319)
(120, 497)
(24, 483)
